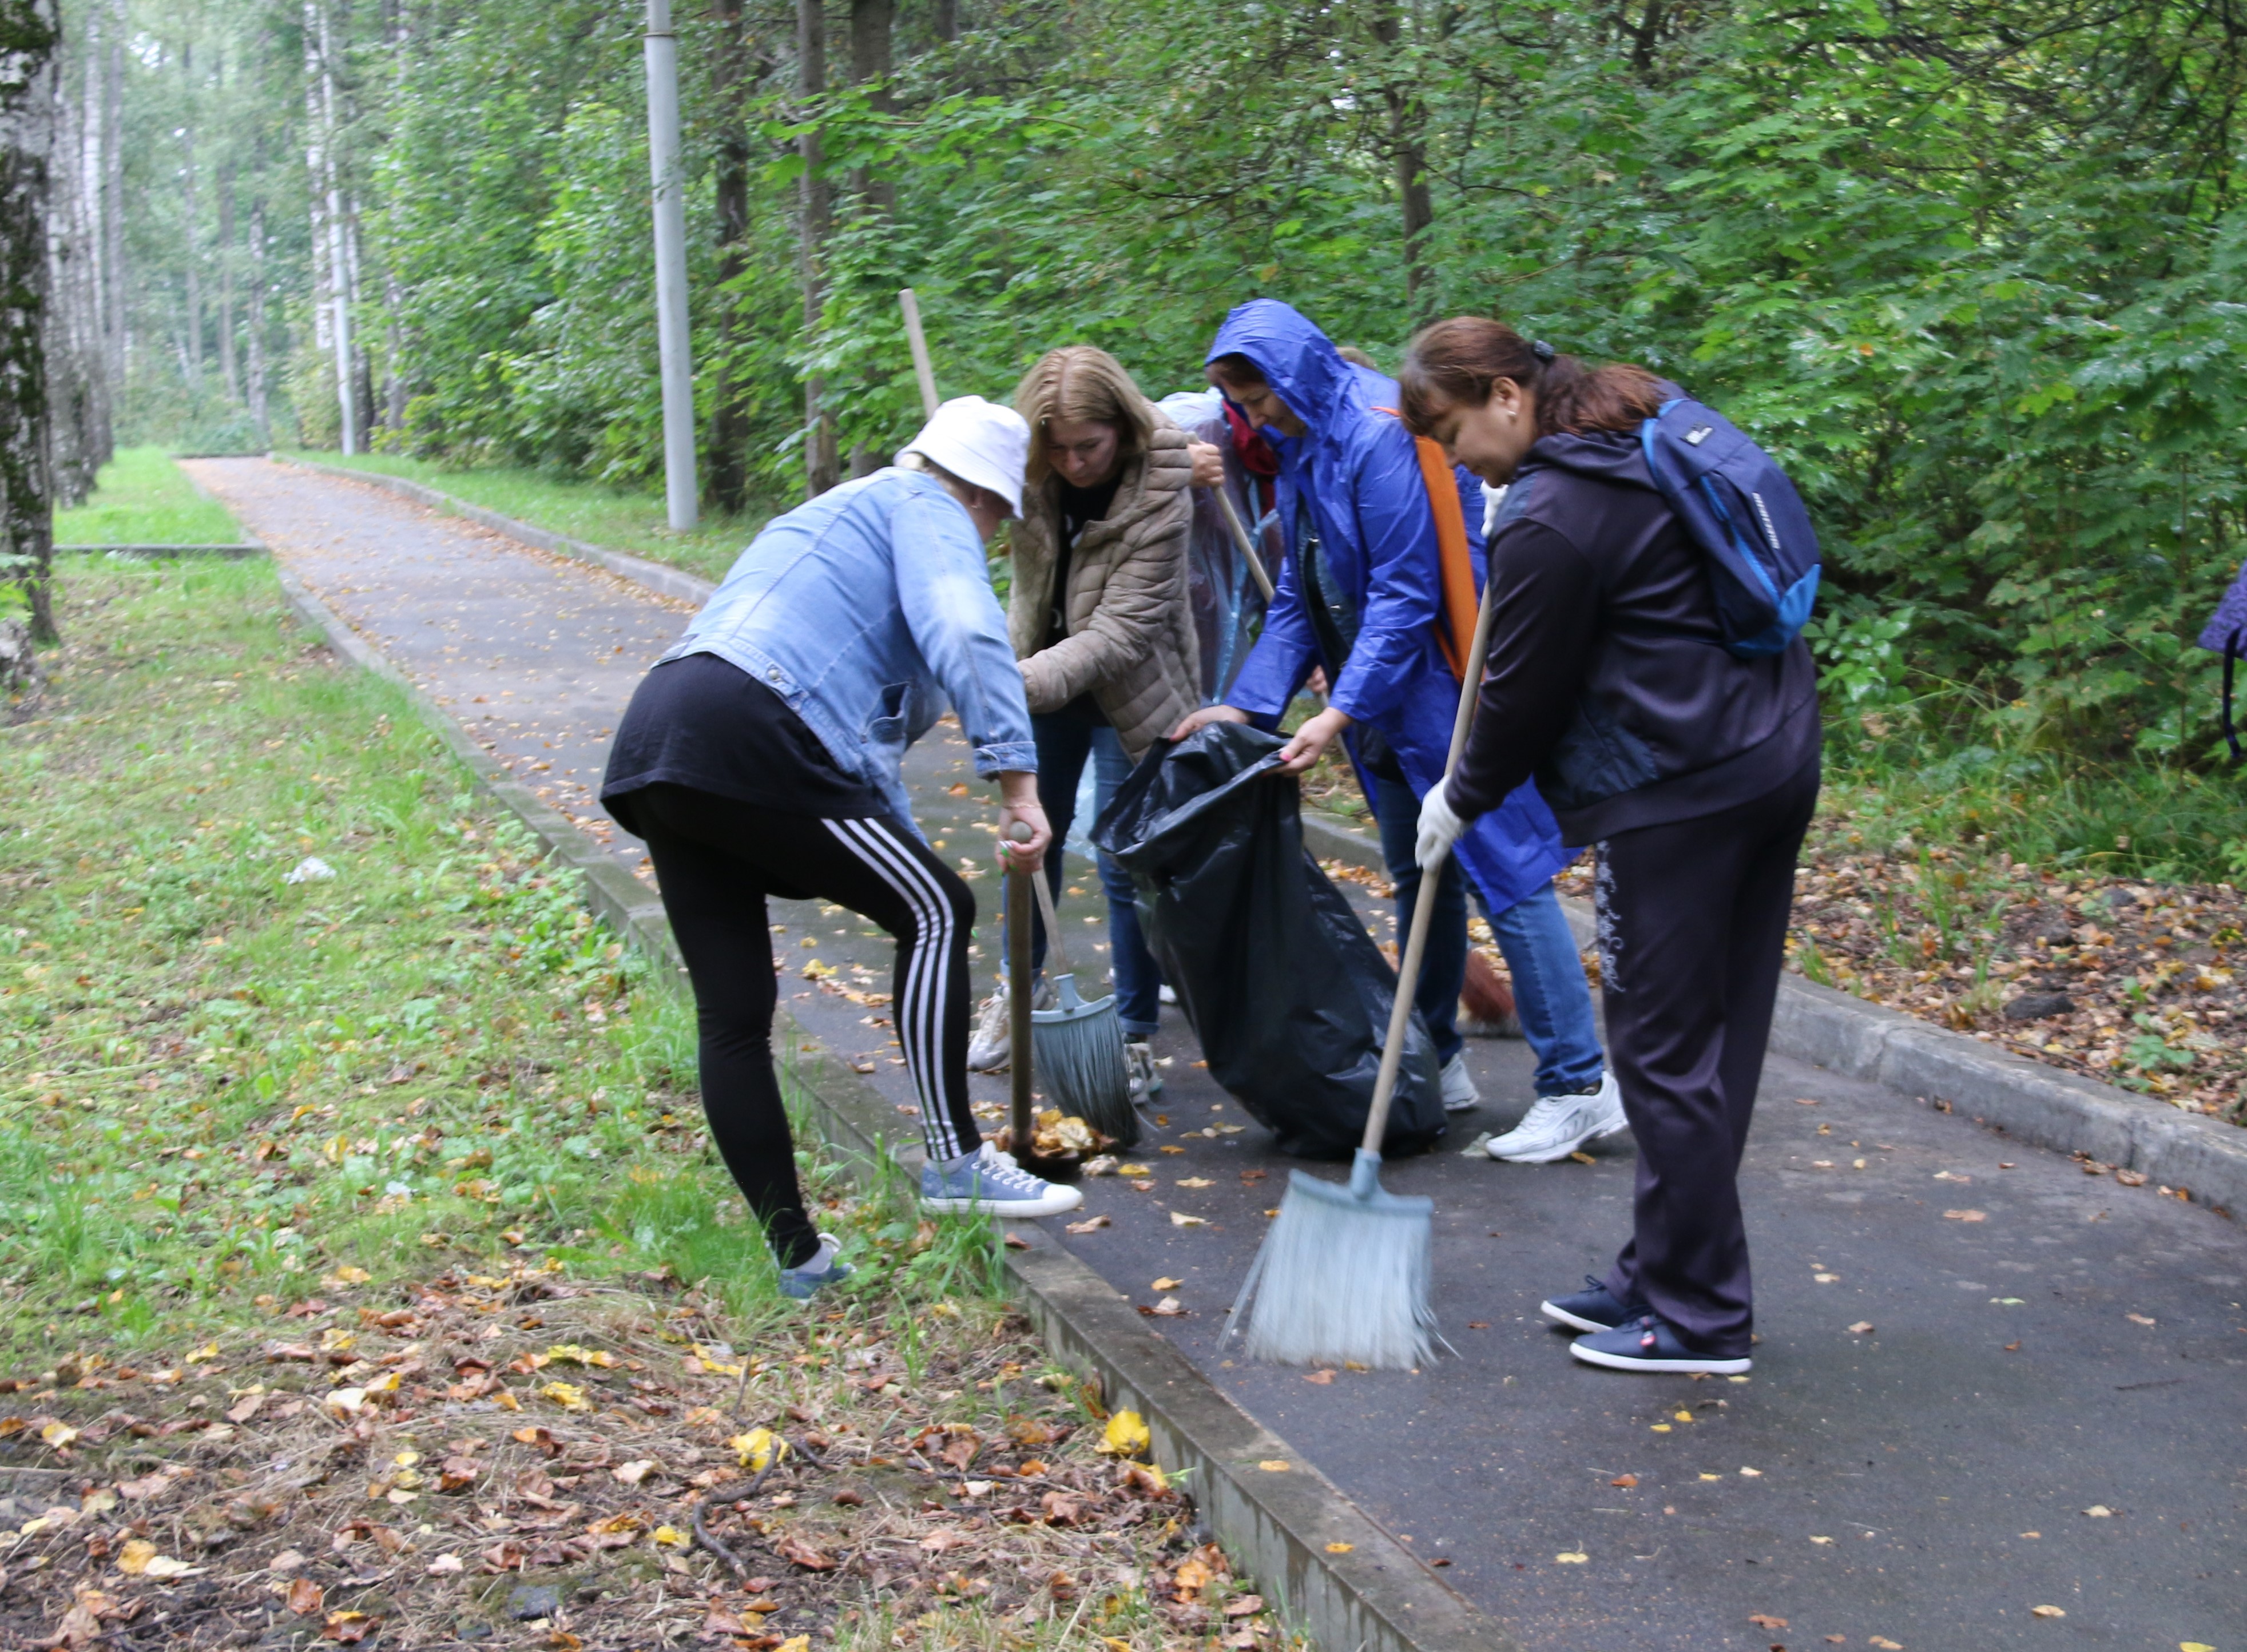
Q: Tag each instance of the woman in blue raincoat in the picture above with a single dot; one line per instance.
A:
(1361, 594)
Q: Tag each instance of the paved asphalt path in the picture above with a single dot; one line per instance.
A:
(2046, 1410)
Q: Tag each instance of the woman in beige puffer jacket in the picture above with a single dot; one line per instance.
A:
(1101, 623)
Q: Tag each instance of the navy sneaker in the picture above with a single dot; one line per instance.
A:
(1593, 1308)
(825, 1266)
(1648, 1342)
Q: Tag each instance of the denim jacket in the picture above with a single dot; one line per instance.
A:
(867, 610)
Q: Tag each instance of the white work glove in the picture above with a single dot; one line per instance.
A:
(1439, 827)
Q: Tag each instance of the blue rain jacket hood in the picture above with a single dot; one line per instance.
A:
(1355, 474)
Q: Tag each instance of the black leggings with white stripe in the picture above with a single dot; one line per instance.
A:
(717, 860)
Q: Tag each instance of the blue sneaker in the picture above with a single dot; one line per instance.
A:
(990, 1181)
(1648, 1342)
(826, 1268)
(1593, 1308)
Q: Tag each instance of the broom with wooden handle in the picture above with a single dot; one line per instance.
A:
(1344, 1274)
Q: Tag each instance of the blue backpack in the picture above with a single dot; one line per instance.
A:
(1740, 509)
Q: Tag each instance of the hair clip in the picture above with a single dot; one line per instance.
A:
(1542, 350)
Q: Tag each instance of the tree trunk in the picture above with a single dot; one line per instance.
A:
(190, 255)
(29, 32)
(819, 459)
(947, 19)
(253, 324)
(228, 378)
(727, 461)
(870, 24)
(92, 296)
(112, 194)
(73, 370)
(1408, 156)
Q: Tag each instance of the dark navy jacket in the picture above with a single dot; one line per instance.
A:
(1357, 473)
(1608, 677)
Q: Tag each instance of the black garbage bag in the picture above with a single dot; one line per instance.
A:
(1287, 993)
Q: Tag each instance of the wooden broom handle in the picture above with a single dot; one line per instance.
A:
(918, 342)
(1247, 545)
(1407, 968)
(1020, 1112)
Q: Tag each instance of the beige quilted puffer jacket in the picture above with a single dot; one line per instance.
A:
(1130, 642)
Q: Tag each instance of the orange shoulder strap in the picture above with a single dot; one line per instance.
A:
(1455, 629)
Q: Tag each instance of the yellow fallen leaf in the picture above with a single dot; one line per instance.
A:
(204, 1355)
(58, 1433)
(1165, 1283)
(1180, 1218)
(386, 1383)
(1196, 1181)
(1682, 1416)
(2047, 1612)
(757, 1448)
(670, 1537)
(346, 1275)
(345, 1401)
(1712, 1476)
(1133, 1170)
(2195, 1646)
(1821, 1540)
(568, 1396)
(1275, 1465)
(1659, 1428)
(133, 1560)
(163, 1565)
(578, 1355)
(1340, 1548)
(1126, 1435)
(795, 1643)
(1576, 1557)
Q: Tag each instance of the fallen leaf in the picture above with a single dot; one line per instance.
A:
(1752, 1474)
(1169, 1307)
(568, 1396)
(1275, 1465)
(2047, 1612)
(1196, 1181)
(796, 1550)
(1126, 1435)
(1626, 1481)
(2100, 1512)
(1321, 1377)
(2140, 1319)
(1340, 1548)
(1659, 1427)
(444, 1564)
(1167, 1148)
(1242, 1605)
(1583, 1158)
(669, 1537)
(1165, 1283)
(80, 1628)
(247, 1408)
(1823, 1540)
(1827, 1279)
(1764, 1621)
(1180, 1218)
(1863, 1328)
(1572, 1557)
(58, 1433)
(757, 1448)
(1965, 1215)
(1885, 1644)
(133, 1560)
(306, 1598)
(163, 1565)
(350, 1627)
(633, 1472)
(1092, 1225)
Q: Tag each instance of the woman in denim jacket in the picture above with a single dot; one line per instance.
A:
(759, 757)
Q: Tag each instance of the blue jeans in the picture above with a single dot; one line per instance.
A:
(1550, 993)
(1065, 741)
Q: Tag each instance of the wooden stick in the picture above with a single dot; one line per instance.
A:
(1241, 539)
(1022, 1115)
(922, 369)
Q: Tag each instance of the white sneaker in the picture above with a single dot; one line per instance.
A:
(1459, 1091)
(1168, 993)
(1140, 1063)
(991, 1046)
(988, 1181)
(1558, 1125)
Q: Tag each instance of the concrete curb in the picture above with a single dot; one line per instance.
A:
(2044, 1106)
(663, 582)
(154, 553)
(1374, 1595)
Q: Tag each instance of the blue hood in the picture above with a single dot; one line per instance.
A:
(1297, 360)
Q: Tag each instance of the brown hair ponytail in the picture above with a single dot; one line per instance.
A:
(1455, 362)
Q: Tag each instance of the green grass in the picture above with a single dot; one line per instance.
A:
(633, 522)
(216, 1086)
(1931, 774)
(142, 498)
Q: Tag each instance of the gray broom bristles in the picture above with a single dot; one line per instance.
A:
(1344, 1276)
(1079, 1046)
(1079, 1050)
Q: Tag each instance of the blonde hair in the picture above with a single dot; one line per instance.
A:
(1079, 382)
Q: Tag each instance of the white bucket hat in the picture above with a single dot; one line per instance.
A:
(980, 442)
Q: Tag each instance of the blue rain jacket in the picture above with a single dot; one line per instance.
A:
(1358, 472)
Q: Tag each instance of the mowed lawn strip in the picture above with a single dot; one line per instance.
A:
(142, 498)
(368, 1267)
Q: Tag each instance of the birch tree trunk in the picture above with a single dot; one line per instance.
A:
(30, 32)
(253, 324)
(112, 194)
(727, 465)
(228, 379)
(190, 252)
(820, 462)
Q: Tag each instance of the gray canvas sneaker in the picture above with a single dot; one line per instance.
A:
(825, 1266)
(1558, 1125)
(990, 1181)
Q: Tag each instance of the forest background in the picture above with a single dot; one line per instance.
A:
(1974, 270)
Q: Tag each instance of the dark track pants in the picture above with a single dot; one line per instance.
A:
(716, 860)
(1692, 934)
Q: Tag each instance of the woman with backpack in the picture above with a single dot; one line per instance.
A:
(1103, 624)
(1616, 679)
(1365, 593)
